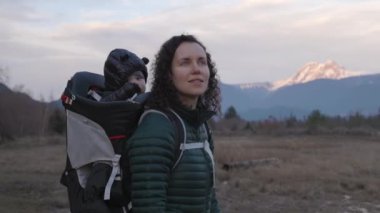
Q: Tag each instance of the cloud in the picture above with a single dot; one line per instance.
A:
(250, 40)
(264, 4)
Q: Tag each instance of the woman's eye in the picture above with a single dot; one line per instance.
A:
(182, 63)
(202, 62)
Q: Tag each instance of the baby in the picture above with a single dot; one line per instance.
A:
(125, 76)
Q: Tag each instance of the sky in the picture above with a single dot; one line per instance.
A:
(44, 42)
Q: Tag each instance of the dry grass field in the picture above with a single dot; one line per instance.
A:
(29, 176)
(332, 174)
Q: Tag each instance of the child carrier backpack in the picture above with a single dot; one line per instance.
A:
(95, 177)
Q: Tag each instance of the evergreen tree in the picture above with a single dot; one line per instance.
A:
(231, 113)
(315, 120)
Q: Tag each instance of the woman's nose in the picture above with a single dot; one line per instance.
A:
(196, 68)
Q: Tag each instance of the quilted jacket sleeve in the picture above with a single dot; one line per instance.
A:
(151, 154)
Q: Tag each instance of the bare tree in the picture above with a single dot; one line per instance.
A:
(4, 75)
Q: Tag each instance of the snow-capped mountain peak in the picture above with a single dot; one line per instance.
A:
(313, 71)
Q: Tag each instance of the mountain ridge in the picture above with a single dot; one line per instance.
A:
(308, 72)
(332, 89)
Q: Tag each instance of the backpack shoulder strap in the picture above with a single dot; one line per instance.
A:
(209, 136)
(179, 130)
(210, 149)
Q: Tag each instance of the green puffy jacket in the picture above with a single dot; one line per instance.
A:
(155, 187)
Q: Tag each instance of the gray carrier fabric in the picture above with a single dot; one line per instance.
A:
(87, 142)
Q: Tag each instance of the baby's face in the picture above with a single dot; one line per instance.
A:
(138, 78)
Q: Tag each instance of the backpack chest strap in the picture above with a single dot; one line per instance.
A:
(198, 145)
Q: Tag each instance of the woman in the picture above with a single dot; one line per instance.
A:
(184, 81)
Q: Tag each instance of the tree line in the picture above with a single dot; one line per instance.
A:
(315, 123)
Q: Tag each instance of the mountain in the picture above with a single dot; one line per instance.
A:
(313, 71)
(309, 72)
(331, 96)
(324, 86)
(4, 88)
(21, 115)
(57, 104)
(242, 99)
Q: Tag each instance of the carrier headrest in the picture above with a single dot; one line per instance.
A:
(82, 81)
(113, 116)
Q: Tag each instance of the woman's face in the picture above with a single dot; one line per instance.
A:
(190, 72)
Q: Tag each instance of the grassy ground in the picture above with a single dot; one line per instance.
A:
(311, 174)
(29, 176)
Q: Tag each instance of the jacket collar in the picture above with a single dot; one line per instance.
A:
(194, 117)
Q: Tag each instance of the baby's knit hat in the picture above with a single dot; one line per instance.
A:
(120, 64)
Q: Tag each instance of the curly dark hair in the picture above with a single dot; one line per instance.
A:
(163, 92)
